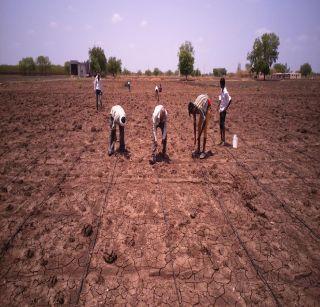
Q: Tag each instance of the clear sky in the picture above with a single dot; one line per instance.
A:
(147, 34)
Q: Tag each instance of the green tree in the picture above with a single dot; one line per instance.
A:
(219, 72)
(305, 69)
(196, 73)
(139, 72)
(281, 68)
(114, 66)
(169, 72)
(157, 72)
(43, 64)
(148, 72)
(98, 60)
(186, 59)
(126, 71)
(27, 66)
(264, 53)
(67, 67)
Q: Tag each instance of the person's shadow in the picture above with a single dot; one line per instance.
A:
(123, 153)
(160, 158)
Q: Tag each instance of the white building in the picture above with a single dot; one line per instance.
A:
(289, 75)
(79, 69)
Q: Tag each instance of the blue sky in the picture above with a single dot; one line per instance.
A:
(147, 34)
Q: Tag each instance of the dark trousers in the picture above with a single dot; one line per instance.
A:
(113, 137)
(164, 142)
(98, 93)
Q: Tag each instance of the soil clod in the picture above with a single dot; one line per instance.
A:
(110, 258)
(87, 230)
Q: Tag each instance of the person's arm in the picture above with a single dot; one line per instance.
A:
(154, 129)
(94, 84)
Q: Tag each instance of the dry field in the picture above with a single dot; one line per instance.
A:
(81, 228)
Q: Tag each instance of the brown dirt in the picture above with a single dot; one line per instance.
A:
(79, 227)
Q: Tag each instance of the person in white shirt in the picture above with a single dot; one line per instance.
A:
(97, 89)
(159, 120)
(223, 106)
(117, 118)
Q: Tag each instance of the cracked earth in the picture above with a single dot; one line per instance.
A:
(78, 227)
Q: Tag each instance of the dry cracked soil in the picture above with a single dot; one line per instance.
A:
(78, 227)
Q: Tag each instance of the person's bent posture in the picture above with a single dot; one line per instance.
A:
(201, 106)
(117, 118)
(159, 120)
(97, 89)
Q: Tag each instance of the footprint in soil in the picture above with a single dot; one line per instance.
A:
(110, 257)
(52, 281)
(9, 207)
(29, 253)
(59, 298)
(87, 230)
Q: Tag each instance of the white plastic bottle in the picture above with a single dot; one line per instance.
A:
(235, 141)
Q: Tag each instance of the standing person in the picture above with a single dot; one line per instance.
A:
(223, 106)
(159, 120)
(117, 117)
(201, 106)
(97, 89)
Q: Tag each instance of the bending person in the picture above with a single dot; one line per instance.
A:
(201, 106)
(117, 118)
(159, 120)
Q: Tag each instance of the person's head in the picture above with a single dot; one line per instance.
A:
(191, 108)
(222, 83)
(122, 120)
(98, 76)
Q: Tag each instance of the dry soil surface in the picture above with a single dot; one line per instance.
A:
(81, 228)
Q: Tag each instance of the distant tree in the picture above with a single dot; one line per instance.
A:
(264, 53)
(67, 67)
(196, 73)
(148, 72)
(157, 72)
(27, 66)
(139, 72)
(43, 64)
(281, 68)
(169, 72)
(219, 72)
(176, 72)
(186, 59)
(126, 71)
(98, 60)
(305, 69)
(239, 69)
(114, 66)
(248, 67)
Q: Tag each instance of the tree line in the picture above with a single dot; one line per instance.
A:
(263, 55)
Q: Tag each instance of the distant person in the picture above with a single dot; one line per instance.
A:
(128, 85)
(223, 106)
(159, 120)
(117, 118)
(98, 91)
(157, 91)
(201, 106)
